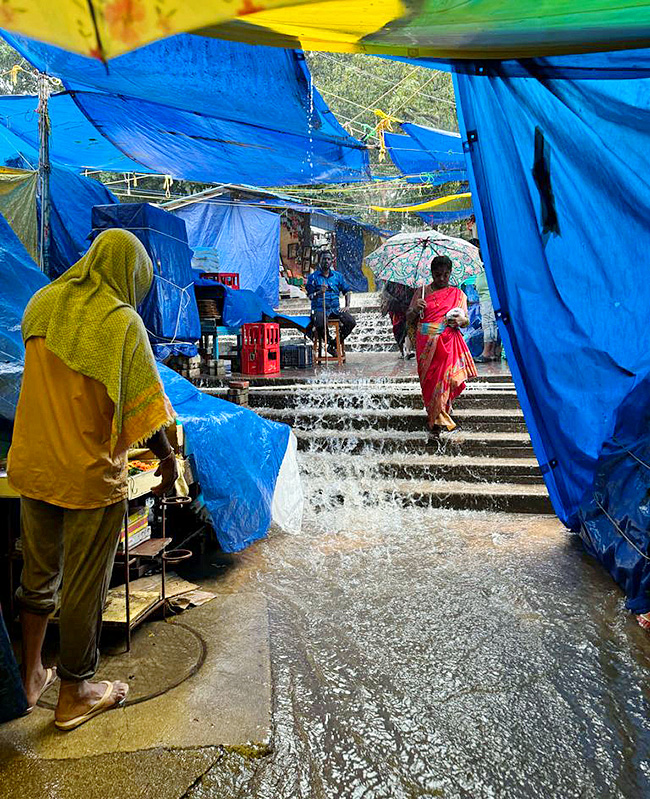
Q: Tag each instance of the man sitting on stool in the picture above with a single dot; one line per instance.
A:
(329, 284)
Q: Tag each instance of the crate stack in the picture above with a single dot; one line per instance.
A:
(238, 392)
(215, 367)
(189, 368)
(260, 351)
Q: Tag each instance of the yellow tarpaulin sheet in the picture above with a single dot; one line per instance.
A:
(18, 205)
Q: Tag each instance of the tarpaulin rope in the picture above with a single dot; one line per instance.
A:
(181, 307)
(613, 521)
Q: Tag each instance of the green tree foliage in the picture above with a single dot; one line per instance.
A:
(354, 86)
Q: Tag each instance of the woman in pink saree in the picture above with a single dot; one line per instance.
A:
(444, 361)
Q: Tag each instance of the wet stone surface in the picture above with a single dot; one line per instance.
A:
(439, 653)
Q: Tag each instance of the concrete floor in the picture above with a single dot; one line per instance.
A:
(226, 704)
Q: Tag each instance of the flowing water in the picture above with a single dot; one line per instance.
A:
(433, 653)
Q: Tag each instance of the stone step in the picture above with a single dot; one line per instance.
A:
(394, 419)
(355, 397)
(338, 379)
(457, 495)
(469, 469)
(371, 347)
(500, 445)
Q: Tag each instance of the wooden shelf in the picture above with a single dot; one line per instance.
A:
(147, 549)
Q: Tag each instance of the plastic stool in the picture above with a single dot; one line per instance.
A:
(320, 344)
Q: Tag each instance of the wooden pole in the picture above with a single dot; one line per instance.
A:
(44, 172)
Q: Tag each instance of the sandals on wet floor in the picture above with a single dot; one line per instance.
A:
(101, 706)
(50, 679)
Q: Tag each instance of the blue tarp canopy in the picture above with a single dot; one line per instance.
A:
(19, 279)
(72, 197)
(349, 255)
(427, 155)
(233, 237)
(195, 108)
(169, 312)
(74, 142)
(560, 158)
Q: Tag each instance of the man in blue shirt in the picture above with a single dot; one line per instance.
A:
(326, 282)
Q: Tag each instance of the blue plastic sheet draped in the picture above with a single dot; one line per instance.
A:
(427, 155)
(208, 110)
(227, 237)
(236, 456)
(243, 307)
(349, 255)
(74, 142)
(169, 312)
(19, 279)
(560, 170)
(72, 198)
(13, 702)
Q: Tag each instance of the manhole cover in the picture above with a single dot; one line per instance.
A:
(162, 656)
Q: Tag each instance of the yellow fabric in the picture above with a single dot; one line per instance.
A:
(18, 205)
(439, 201)
(89, 320)
(60, 452)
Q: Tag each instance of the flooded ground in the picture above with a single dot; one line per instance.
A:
(424, 653)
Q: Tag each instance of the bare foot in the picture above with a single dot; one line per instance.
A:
(77, 698)
(34, 685)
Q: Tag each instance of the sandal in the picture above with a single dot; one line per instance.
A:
(100, 707)
(50, 679)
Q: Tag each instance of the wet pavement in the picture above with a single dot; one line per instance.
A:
(443, 654)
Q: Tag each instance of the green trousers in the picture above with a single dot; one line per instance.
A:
(71, 550)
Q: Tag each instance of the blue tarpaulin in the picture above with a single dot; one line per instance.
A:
(349, 255)
(427, 155)
(19, 279)
(74, 141)
(236, 456)
(243, 307)
(233, 237)
(72, 198)
(559, 167)
(199, 109)
(13, 702)
(169, 312)
(445, 217)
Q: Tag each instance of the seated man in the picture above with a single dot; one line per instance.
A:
(323, 289)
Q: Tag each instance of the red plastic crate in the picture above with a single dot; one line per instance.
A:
(256, 361)
(261, 335)
(230, 279)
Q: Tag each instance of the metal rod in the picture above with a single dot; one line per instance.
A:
(127, 581)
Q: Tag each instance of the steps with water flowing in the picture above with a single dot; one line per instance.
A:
(363, 438)
(362, 430)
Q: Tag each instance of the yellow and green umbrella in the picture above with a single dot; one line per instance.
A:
(413, 28)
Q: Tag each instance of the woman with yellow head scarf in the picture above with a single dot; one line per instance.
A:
(90, 390)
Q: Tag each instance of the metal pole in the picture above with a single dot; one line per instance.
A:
(325, 330)
(44, 172)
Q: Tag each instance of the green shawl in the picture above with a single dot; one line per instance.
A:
(89, 320)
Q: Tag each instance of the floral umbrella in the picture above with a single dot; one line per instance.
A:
(406, 258)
